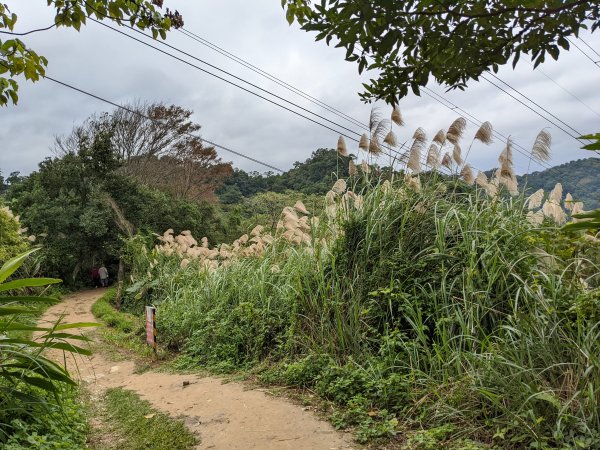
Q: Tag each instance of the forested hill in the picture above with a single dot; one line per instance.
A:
(313, 176)
(581, 178)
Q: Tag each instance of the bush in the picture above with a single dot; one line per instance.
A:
(439, 306)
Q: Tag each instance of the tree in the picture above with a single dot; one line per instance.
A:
(158, 145)
(17, 59)
(409, 42)
(75, 203)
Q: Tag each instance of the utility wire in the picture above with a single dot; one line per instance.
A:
(596, 63)
(271, 77)
(536, 104)
(537, 69)
(243, 88)
(224, 79)
(590, 47)
(529, 107)
(133, 111)
(451, 106)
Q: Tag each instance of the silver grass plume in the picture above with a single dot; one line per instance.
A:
(433, 156)
(569, 202)
(390, 139)
(535, 200)
(467, 174)
(457, 154)
(481, 179)
(397, 116)
(352, 171)
(506, 156)
(484, 133)
(414, 160)
(456, 130)
(364, 166)
(447, 160)
(364, 142)
(440, 138)
(374, 119)
(420, 135)
(374, 146)
(556, 194)
(341, 147)
(541, 146)
(414, 157)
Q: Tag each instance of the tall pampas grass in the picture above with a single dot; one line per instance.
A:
(484, 133)
(433, 156)
(447, 161)
(535, 200)
(456, 130)
(541, 146)
(397, 117)
(467, 174)
(440, 138)
(341, 147)
(352, 171)
(363, 144)
(390, 139)
(457, 154)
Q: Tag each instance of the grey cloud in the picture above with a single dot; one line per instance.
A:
(121, 70)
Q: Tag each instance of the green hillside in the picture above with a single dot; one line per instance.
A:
(580, 178)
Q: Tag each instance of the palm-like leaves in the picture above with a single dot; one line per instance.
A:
(22, 366)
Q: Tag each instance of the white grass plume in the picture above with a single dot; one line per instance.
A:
(541, 146)
(484, 133)
(456, 130)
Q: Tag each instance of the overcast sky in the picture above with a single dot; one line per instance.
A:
(121, 70)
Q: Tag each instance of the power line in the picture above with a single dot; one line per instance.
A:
(271, 77)
(224, 79)
(451, 106)
(537, 69)
(590, 47)
(243, 88)
(133, 111)
(596, 63)
(536, 104)
(529, 107)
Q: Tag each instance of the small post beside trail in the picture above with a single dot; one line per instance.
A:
(151, 327)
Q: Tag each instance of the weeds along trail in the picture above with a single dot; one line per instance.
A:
(225, 416)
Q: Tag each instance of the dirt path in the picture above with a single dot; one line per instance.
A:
(225, 416)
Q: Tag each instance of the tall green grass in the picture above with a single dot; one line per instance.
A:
(441, 307)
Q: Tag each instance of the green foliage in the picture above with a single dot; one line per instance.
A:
(313, 176)
(11, 240)
(18, 59)
(429, 307)
(139, 426)
(579, 177)
(60, 426)
(68, 204)
(594, 146)
(412, 42)
(29, 382)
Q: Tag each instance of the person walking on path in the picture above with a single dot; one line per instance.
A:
(103, 276)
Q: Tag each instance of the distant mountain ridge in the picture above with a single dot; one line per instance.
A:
(580, 177)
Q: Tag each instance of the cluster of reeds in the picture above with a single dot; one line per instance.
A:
(444, 295)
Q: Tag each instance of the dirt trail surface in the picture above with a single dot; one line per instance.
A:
(225, 416)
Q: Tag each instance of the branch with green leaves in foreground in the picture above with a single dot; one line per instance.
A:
(26, 376)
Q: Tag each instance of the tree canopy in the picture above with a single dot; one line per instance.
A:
(16, 58)
(410, 42)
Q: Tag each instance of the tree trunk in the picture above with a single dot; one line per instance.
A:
(120, 280)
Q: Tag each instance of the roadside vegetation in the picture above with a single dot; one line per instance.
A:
(130, 423)
(432, 309)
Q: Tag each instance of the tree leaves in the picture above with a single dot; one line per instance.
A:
(17, 59)
(411, 42)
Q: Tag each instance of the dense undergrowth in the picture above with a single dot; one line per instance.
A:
(437, 316)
